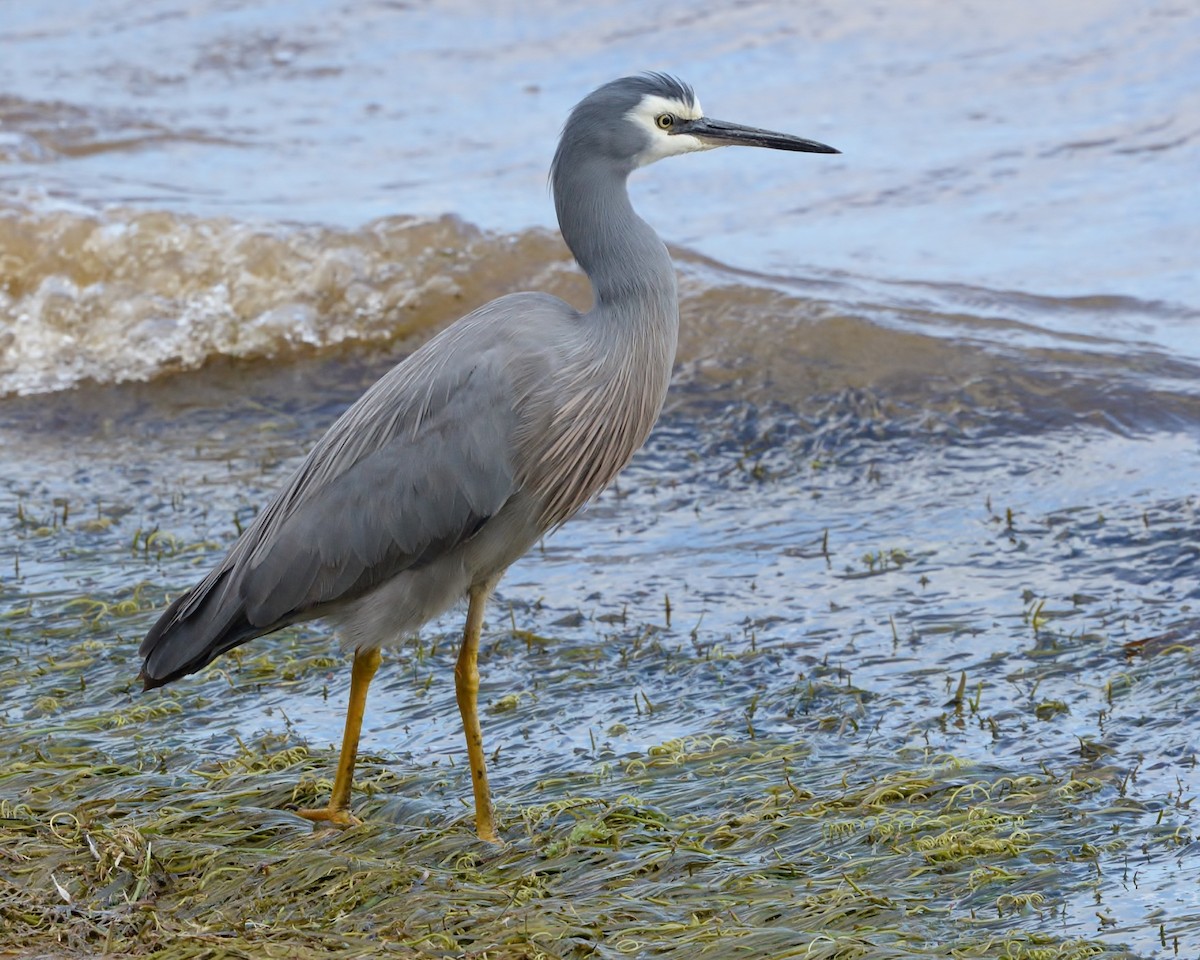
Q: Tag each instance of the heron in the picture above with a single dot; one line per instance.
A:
(491, 435)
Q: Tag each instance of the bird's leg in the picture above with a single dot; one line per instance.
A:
(337, 812)
(466, 688)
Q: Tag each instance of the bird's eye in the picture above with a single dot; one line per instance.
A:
(664, 121)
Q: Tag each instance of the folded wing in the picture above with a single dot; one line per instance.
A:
(408, 473)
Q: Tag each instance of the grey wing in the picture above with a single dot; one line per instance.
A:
(406, 504)
(413, 469)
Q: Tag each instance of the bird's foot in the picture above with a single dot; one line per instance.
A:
(334, 816)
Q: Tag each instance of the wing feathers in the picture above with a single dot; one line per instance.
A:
(401, 507)
(412, 470)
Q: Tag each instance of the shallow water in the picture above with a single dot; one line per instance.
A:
(154, 158)
(936, 412)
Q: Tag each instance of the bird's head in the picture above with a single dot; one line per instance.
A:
(637, 120)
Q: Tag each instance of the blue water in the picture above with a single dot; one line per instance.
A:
(936, 410)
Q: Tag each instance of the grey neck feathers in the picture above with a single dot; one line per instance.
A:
(628, 265)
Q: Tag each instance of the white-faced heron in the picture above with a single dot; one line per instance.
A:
(490, 435)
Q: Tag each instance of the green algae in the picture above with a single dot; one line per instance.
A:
(708, 845)
(916, 774)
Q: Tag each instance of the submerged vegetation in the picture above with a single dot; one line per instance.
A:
(709, 846)
(118, 837)
(897, 730)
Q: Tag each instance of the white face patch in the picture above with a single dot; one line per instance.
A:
(664, 143)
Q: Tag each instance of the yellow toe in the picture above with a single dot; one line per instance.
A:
(334, 816)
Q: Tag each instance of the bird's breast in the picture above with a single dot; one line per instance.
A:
(599, 412)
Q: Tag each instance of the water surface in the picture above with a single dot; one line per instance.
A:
(936, 411)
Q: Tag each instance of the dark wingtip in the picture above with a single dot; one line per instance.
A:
(149, 682)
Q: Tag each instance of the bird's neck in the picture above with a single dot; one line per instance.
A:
(626, 262)
(616, 364)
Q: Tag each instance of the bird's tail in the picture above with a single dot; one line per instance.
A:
(194, 630)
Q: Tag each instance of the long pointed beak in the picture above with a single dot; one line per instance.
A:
(719, 133)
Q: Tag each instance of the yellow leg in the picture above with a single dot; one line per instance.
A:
(366, 662)
(466, 688)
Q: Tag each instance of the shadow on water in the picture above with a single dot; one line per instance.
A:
(858, 658)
